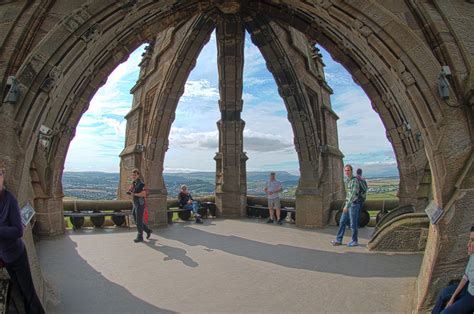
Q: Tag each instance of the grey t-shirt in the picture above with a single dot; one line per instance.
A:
(273, 186)
(469, 274)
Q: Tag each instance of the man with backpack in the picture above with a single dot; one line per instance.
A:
(362, 187)
(350, 213)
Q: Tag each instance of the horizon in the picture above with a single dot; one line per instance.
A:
(213, 172)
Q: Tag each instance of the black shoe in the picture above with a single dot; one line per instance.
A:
(269, 221)
(199, 221)
(138, 240)
(148, 234)
(280, 222)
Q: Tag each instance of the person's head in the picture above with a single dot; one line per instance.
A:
(272, 175)
(2, 173)
(359, 172)
(348, 170)
(470, 244)
(135, 174)
(184, 188)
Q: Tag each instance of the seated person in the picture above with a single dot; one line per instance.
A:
(186, 202)
(462, 299)
(446, 295)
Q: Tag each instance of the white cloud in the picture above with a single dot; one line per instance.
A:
(184, 138)
(360, 128)
(199, 89)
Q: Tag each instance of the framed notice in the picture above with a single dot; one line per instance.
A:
(27, 212)
(434, 212)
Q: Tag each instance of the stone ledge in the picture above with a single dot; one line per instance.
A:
(406, 233)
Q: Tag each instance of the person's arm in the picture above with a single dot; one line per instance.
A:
(140, 194)
(461, 285)
(280, 188)
(15, 230)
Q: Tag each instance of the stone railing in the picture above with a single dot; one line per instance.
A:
(120, 210)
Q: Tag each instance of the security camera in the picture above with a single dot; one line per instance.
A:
(445, 70)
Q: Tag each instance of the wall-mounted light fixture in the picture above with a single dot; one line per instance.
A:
(443, 82)
(14, 91)
(45, 137)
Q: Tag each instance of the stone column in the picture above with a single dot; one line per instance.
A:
(231, 185)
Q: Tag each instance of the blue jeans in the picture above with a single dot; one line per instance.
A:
(194, 206)
(463, 305)
(351, 216)
(445, 295)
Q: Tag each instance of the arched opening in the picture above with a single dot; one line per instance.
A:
(100, 136)
(193, 138)
(268, 136)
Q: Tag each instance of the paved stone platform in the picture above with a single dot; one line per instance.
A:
(224, 266)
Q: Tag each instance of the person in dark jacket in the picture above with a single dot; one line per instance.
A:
(138, 193)
(12, 249)
(186, 201)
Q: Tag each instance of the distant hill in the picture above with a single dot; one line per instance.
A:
(102, 185)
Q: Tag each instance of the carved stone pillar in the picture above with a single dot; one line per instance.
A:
(231, 181)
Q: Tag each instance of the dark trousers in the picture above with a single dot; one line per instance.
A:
(463, 305)
(446, 294)
(20, 274)
(138, 212)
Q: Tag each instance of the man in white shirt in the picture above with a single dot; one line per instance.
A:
(273, 189)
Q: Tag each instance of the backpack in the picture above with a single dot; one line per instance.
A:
(362, 189)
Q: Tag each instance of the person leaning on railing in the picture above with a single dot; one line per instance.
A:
(12, 249)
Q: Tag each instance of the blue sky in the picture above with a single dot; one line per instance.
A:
(268, 138)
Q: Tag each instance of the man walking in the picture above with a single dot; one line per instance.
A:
(273, 189)
(138, 193)
(351, 209)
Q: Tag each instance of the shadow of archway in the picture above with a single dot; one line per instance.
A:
(85, 290)
(356, 262)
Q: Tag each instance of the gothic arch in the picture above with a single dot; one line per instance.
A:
(156, 96)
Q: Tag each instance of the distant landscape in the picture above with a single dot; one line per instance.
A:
(103, 185)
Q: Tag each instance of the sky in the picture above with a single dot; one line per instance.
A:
(268, 137)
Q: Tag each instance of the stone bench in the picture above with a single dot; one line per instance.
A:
(205, 209)
(262, 211)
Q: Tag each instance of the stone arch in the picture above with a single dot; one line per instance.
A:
(366, 37)
(313, 195)
(56, 88)
(158, 91)
(399, 122)
(379, 50)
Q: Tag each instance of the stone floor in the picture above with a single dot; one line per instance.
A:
(224, 266)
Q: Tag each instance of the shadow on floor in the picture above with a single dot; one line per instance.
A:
(356, 263)
(83, 281)
(172, 253)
